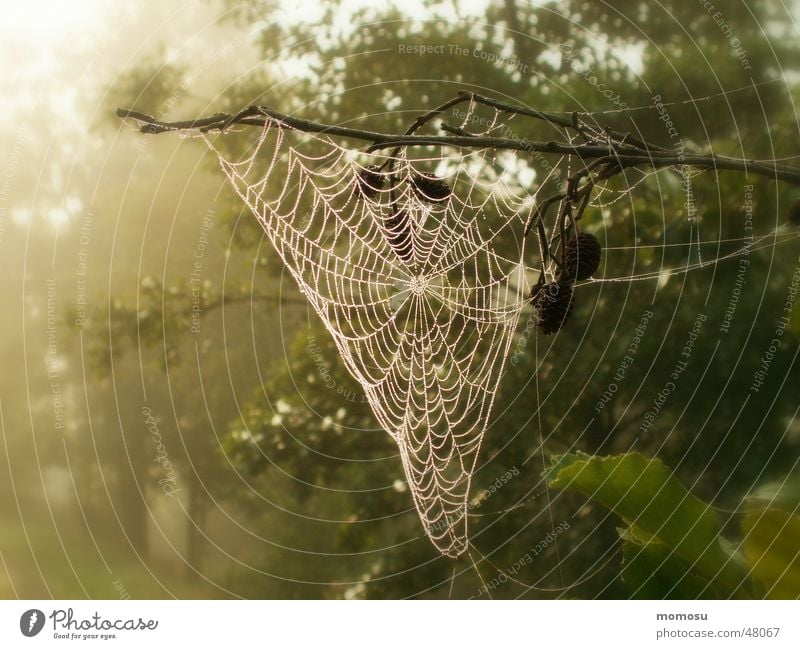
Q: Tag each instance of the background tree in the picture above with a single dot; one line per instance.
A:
(289, 489)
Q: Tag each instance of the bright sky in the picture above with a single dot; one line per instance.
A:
(42, 26)
(34, 36)
(38, 41)
(41, 21)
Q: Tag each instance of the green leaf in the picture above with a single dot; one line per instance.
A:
(772, 547)
(783, 493)
(657, 508)
(651, 571)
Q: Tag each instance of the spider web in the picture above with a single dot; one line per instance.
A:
(419, 302)
(420, 306)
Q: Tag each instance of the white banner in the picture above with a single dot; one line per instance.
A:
(398, 625)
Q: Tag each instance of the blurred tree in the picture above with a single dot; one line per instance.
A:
(313, 477)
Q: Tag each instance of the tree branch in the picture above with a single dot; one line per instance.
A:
(626, 150)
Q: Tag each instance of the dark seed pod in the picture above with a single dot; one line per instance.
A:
(535, 290)
(794, 213)
(582, 256)
(553, 303)
(370, 181)
(430, 188)
(397, 229)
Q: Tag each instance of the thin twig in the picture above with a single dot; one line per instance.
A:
(629, 153)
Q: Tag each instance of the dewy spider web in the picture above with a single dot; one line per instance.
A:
(420, 306)
(420, 293)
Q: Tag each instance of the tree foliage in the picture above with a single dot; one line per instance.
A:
(293, 447)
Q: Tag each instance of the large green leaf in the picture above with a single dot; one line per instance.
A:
(784, 493)
(651, 571)
(772, 547)
(657, 508)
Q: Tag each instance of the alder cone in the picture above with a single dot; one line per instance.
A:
(397, 229)
(430, 188)
(553, 304)
(370, 181)
(582, 256)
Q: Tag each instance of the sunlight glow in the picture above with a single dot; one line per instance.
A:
(34, 34)
(42, 23)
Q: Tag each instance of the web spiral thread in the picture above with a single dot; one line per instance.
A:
(420, 306)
